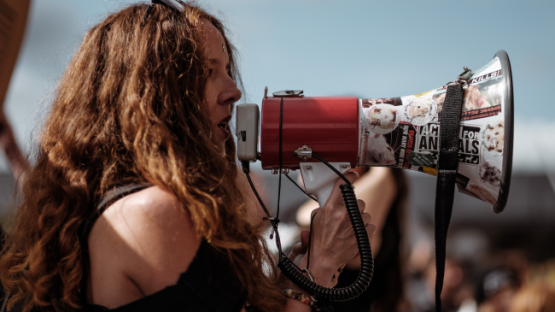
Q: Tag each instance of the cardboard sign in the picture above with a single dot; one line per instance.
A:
(13, 20)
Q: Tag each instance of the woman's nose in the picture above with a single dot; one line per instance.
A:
(230, 94)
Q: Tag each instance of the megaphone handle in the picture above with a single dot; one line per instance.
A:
(324, 193)
(319, 179)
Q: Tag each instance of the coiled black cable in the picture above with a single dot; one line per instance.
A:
(293, 273)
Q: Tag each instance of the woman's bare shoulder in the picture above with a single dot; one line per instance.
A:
(152, 205)
(154, 210)
(149, 238)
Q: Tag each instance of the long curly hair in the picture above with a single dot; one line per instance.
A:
(130, 108)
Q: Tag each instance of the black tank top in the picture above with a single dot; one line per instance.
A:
(209, 284)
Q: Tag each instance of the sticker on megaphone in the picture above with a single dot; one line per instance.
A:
(380, 117)
(403, 132)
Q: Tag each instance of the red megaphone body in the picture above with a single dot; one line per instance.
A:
(328, 125)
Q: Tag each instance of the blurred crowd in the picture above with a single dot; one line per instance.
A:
(504, 282)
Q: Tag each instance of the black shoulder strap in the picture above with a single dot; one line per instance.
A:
(119, 193)
(108, 199)
(447, 167)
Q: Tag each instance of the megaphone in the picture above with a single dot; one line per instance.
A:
(325, 137)
(400, 132)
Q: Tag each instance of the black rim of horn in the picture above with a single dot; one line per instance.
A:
(509, 125)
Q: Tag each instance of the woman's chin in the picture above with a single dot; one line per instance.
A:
(221, 147)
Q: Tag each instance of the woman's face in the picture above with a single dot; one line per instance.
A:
(221, 92)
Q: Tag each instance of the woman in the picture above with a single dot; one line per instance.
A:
(146, 102)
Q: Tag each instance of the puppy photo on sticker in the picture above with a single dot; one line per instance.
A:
(493, 137)
(439, 98)
(378, 151)
(420, 111)
(381, 118)
(483, 95)
(474, 99)
(490, 173)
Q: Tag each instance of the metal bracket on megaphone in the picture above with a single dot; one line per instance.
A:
(288, 93)
(462, 79)
(304, 153)
(465, 75)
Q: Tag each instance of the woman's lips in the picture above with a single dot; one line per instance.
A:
(225, 132)
(223, 127)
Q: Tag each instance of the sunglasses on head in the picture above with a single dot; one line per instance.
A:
(169, 3)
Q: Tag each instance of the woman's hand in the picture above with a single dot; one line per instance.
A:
(333, 239)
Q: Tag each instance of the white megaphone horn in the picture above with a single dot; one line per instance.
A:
(400, 132)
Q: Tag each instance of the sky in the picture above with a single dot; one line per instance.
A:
(332, 48)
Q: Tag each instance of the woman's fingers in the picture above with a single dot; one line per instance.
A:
(299, 249)
(366, 218)
(371, 229)
(361, 205)
(296, 251)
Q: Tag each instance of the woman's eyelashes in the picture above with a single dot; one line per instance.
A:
(213, 71)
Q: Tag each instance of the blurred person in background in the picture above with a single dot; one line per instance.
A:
(506, 271)
(457, 293)
(537, 292)
(497, 289)
(537, 297)
(387, 189)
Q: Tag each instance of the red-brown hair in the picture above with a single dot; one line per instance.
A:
(129, 109)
